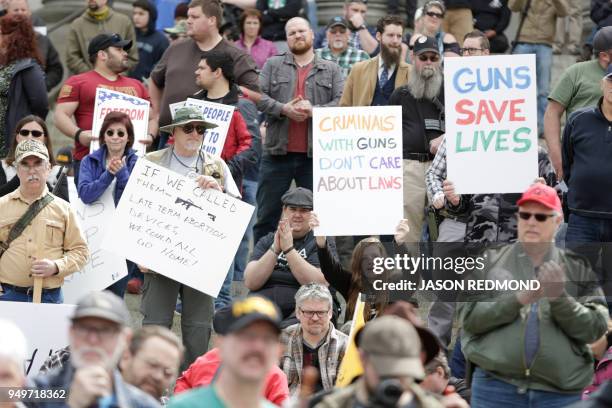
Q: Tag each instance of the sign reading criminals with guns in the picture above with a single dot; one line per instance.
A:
(167, 223)
(217, 113)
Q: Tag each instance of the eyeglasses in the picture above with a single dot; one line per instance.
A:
(311, 313)
(200, 129)
(337, 30)
(434, 14)
(36, 167)
(471, 50)
(111, 132)
(28, 132)
(103, 333)
(538, 216)
(431, 57)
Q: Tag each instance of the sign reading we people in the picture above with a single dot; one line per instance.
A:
(357, 169)
(491, 123)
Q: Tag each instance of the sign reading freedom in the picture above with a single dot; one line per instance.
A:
(357, 170)
(167, 223)
(491, 123)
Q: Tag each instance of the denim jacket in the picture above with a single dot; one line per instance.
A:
(324, 86)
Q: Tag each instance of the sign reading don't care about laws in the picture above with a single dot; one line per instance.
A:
(167, 223)
(491, 123)
(357, 170)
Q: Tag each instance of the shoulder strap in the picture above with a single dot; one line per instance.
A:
(520, 26)
(29, 215)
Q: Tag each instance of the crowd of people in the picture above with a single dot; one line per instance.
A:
(311, 332)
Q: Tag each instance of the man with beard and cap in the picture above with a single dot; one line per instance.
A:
(249, 347)
(372, 82)
(99, 334)
(76, 100)
(99, 17)
(338, 48)
(150, 42)
(422, 101)
(292, 84)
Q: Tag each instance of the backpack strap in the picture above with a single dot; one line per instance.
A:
(26, 219)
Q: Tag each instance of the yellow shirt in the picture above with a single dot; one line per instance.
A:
(53, 234)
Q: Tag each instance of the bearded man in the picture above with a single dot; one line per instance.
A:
(422, 101)
(371, 83)
(292, 84)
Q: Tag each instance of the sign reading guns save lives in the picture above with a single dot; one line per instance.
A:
(136, 108)
(168, 224)
(357, 166)
(491, 123)
(217, 113)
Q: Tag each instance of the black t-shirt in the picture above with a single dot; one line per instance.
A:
(311, 358)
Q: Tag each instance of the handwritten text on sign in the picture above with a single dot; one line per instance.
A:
(45, 327)
(217, 113)
(357, 160)
(168, 224)
(136, 108)
(491, 123)
(103, 268)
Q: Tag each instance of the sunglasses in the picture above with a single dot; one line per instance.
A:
(337, 30)
(434, 14)
(200, 129)
(28, 132)
(432, 58)
(538, 216)
(111, 132)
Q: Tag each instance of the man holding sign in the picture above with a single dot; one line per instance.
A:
(109, 53)
(160, 292)
(39, 234)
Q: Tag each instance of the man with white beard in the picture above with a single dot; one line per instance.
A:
(339, 49)
(98, 336)
(422, 101)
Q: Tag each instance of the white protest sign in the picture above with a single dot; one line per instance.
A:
(168, 224)
(136, 108)
(102, 268)
(491, 123)
(357, 170)
(44, 325)
(220, 115)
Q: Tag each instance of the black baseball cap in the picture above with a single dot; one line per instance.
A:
(603, 40)
(425, 44)
(337, 21)
(103, 41)
(298, 197)
(242, 313)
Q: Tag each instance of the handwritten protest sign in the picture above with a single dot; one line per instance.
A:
(217, 113)
(136, 108)
(491, 123)
(168, 224)
(357, 166)
(103, 268)
(44, 325)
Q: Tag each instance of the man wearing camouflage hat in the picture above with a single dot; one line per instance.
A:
(160, 293)
(99, 334)
(39, 235)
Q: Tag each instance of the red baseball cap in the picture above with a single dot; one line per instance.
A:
(542, 194)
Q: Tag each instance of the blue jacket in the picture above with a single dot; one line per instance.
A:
(126, 395)
(94, 179)
(587, 148)
(151, 45)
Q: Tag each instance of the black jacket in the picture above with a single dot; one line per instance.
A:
(455, 4)
(54, 71)
(151, 46)
(274, 20)
(601, 13)
(587, 148)
(27, 95)
(491, 15)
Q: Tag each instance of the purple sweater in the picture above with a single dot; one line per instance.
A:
(260, 51)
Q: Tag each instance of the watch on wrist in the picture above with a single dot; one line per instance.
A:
(77, 134)
(286, 251)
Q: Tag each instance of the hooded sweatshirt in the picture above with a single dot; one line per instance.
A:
(151, 43)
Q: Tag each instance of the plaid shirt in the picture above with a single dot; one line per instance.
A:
(436, 174)
(331, 353)
(346, 60)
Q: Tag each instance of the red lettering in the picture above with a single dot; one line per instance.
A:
(516, 110)
(499, 114)
(462, 109)
(483, 109)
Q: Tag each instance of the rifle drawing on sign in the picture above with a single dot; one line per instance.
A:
(188, 204)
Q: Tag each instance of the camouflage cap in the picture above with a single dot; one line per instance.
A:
(185, 115)
(30, 147)
(179, 28)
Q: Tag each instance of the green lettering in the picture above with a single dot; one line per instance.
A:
(486, 141)
(502, 138)
(520, 140)
(459, 148)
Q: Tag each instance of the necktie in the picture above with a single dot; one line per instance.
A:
(384, 77)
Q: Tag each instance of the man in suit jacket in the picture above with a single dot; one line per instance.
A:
(372, 82)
